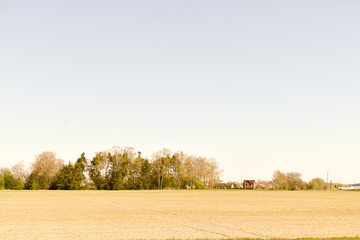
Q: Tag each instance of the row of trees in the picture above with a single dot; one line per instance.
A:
(114, 169)
(123, 168)
(293, 181)
(288, 181)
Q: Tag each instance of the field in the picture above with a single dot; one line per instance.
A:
(178, 214)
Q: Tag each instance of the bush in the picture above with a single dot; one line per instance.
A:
(11, 183)
(32, 183)
(2, 183)
(317, 184)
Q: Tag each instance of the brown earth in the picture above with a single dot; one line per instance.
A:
(178, 214)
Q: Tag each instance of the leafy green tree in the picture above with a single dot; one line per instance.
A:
(287, 181)
(317, 184)
(98, 170)
(279, 181)
(71, 177)
(113, 169)
(145, 173)
(135, 180)
(65, 180)
(32, 183)
(118, 170)
(121, 168)
(2, 183)
(79, 172)
(12, 183)
(179, 172)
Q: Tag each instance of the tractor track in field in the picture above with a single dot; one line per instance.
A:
(161, 213)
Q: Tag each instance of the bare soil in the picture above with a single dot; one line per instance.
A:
(178, 214)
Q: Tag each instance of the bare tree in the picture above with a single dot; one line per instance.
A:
(46, 168)
(161, 165)
(294, 180)
(18, 171)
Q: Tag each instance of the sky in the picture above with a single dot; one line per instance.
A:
(257, 85)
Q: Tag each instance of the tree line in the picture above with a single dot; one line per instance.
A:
(114, 169)
(293, 181)
(123, 168)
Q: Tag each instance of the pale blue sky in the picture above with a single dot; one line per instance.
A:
(258, 85)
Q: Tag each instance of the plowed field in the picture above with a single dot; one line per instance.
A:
(178, 214)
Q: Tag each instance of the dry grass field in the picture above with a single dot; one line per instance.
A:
(177, 214)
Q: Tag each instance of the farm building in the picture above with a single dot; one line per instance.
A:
(234, 185)
(218, 185)
(228, 185)
(263, 186)
(249, 184)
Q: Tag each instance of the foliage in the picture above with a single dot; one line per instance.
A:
(8, 181)
(32, 183)
(122, 168)
(13, 178)
(288, 181)
(317, 184)
(2, 183)
(294, 180)
(71, 176)
(280, 181)
(337, 185)
(45, 169)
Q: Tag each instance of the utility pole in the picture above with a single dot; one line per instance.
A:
(327, 181)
